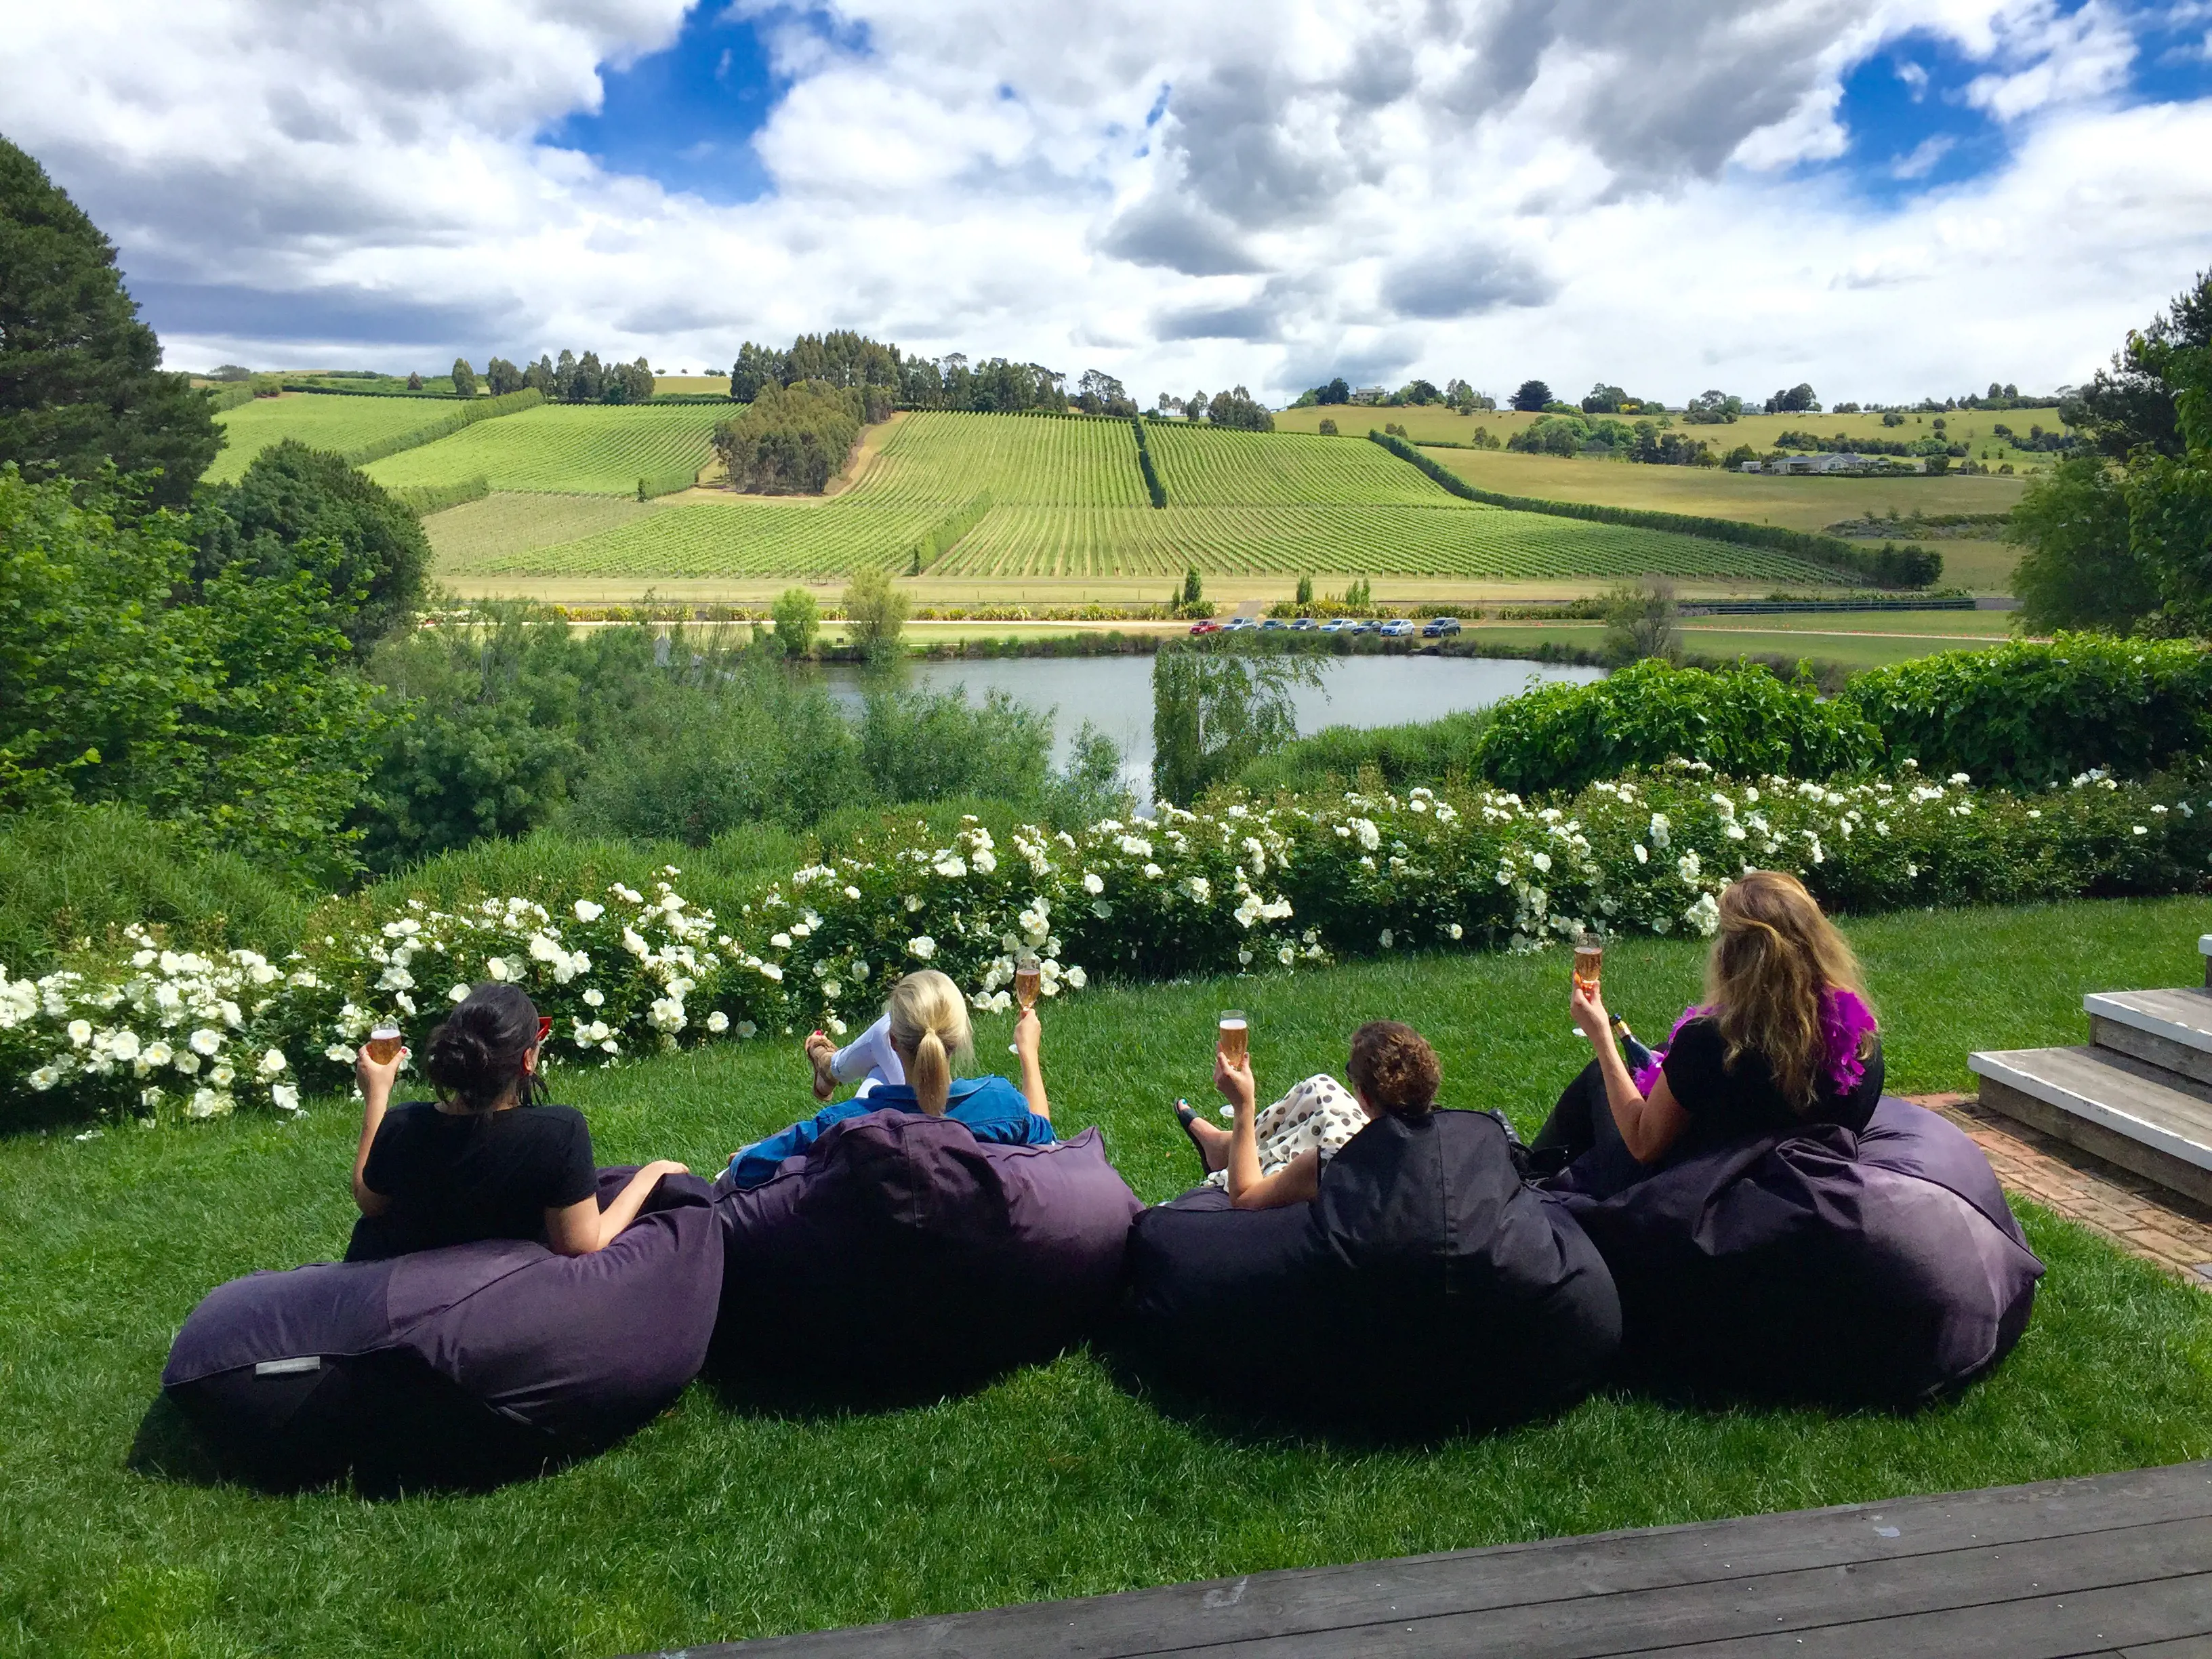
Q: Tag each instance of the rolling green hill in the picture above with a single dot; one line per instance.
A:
(323, 423)
(590, 449)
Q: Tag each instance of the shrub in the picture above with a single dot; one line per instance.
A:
(1742, 720)
(625, 969)
(2026, 715)
(792, 439)
(1430, 752)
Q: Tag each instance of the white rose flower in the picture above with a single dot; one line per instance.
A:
(1387, 938)
(1456, 931)
(123, 1045)
(44, 1079)
(222, 1075)
(922, 946)
(1152, 872)
(1642, 857)
(832, 990)
(913, 903)
(852, 892)
(273, 1063)
(338, 1052)
(286, 1097)
(587, 911)
(1076, 978)
(1287, 956)
(746, 1028)
(985, 862)
(595, 998)
(80, 1032)
(1199, 888)
(718, 1022)
(204, 1042)
(769, 971)
(1092, 885)
(189, 1063)
(1661, 831)
(209, 1103)
(157, 1053)
(458, 993)
(495, 969)
(1542, 861)
(781, 941)
(1243, 958)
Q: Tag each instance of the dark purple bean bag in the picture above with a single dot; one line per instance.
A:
(1880, 1269)
(1426, 1288)
(903, 1257)
(463, 1366)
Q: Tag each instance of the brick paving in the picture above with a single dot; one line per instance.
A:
(2142, 1218)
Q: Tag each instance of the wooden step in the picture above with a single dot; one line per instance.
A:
(2125, 1110)
(2168, 1029)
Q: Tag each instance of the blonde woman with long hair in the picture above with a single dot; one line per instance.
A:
(925, 1026)
(1784, 1038)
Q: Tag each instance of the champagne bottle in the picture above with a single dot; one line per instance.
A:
(1638, 1055)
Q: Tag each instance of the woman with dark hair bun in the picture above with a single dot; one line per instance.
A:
(1274, 1157)
(475, 1165)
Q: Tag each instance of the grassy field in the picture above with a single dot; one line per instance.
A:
(1971, 426)
(1016, 497)
(1849, 638)
(510, 522)
(594, 449)
(720, 1521)
(321, 422)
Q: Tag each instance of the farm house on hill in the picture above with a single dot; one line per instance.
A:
(1830, 461)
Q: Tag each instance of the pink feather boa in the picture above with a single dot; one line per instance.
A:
(1845, 1020)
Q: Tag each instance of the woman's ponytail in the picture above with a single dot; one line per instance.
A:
(929, 1025)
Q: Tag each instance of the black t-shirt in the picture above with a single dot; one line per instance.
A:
(1724, 1103)
(455, 1177)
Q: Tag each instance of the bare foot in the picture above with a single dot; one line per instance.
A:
(1212, 1144)
(820, 1051)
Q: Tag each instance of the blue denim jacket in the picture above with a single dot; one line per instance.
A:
(992, 1108)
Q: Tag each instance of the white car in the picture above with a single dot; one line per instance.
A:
(1397, 628)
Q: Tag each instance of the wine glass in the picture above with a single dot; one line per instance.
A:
(1027, 973)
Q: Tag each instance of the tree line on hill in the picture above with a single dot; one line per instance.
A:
(571, 379)
(1457, 394)
(847, 361)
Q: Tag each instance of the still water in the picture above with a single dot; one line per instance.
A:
(1115, 694)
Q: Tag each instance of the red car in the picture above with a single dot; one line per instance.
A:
(1209, 627)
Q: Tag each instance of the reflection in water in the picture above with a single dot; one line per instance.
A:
(1115, 694)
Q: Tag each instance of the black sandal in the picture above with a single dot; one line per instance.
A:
(1187, 1115)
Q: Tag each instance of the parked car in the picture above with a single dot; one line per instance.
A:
(1305, 625)
(1238, 625)
(1272, 624)
(1397, 628)
(1364, 628)
(1336, 625)
(1207, 627)
(1438, 626)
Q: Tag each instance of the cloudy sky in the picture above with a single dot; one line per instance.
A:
(1887, 198)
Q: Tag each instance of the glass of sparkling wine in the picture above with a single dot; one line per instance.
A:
(1590, 958)
(1236, 1035)
(384, 1044)
(1027, 970)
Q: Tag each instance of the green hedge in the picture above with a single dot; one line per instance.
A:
(946, 532)
(221, 397)
(1741, 720)
(1885, 566)
(1427, 753)
(483, 408)
(2024, 715)
(424, 499)
(667, 481)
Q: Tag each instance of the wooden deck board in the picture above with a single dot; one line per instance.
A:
(2116, 1565)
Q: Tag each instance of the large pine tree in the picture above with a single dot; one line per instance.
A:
(79, 377)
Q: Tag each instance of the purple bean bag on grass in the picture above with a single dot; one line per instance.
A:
(463, 1366)
(1881, 1269)
(902, 1257)
(1425, 1289)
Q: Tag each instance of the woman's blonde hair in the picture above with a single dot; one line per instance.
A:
(1776, 954)
(929, 1026)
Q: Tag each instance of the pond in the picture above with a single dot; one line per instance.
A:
(1115, 694)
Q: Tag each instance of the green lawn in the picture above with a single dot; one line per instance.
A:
(717, 1521)
(1856, 641)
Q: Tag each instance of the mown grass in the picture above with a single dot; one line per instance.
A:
(720, 1522)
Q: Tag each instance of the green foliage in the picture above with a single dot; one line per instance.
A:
(667, 481)
(791, 441)
(1531, 396)
(921, 745)
(1426, 754)
(1742, 721)
(79, 382)
(2026, 715)
(1218, 707)
(465, 378)
(2077, 568)
(1641, 623)
(1890, 566)
(798, 620)
(222, 397)
(481, 409)
(1155, 491)
(875, 614)
(424, 499)
(947, 533)
(222, 709)
(71, 873)
(297, 508)
(1304, 591)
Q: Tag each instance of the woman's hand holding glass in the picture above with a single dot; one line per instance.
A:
(1234, 1080)
(1588, 1007)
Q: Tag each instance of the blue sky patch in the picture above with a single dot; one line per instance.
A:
(685, 117)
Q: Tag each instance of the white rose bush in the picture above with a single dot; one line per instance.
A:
(1249, 886)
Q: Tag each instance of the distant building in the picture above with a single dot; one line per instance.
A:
(1829, 461)
(1371, 394)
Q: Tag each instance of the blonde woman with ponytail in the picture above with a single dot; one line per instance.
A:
(1784, 1039)
(925, 1025)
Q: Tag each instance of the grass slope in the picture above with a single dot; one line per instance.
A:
(720, 1522)
(1066, 500)
(593, 449)
(322, 422)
